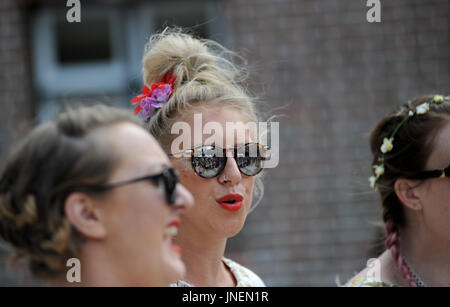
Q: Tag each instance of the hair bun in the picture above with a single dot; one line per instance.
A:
(192, 60)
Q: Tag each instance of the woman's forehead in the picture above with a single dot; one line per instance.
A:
(222, 126)
(214, 113)
(440, 156)
(134, 147)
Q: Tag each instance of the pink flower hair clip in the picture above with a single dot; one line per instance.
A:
(155, 97)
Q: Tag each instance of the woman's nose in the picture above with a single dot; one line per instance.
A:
(230, 174)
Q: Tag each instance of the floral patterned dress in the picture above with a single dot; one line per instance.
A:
(363, 281)
(243, 276)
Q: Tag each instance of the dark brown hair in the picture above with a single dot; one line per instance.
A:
(413, 144)
(54, 160)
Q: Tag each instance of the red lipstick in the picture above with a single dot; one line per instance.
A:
(231, 202)
(175, 248)
(175, 223)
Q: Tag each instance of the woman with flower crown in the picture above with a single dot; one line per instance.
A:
(411, 171)
(187, 78)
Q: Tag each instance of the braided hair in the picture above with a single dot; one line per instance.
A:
(414, 142)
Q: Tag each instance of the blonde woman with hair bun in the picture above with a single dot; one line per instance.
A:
(201, 78)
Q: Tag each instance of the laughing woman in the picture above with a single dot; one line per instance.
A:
(411, 156)
(191, 78)
(93, 185)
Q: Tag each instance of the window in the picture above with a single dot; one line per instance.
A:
(85, 42)
(101, 56)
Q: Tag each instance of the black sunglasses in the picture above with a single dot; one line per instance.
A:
(431, 174)
(168, 176)
(209, 161)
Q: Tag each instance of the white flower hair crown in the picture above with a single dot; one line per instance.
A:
(388, 143)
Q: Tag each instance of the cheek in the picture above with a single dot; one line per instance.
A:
(438, 217)
(184, 174)
(182, 165)
(443, 199)
(187, 176)
(437, 209)
(197, 185)
(249, 184)
(143, 215)
(191, 181)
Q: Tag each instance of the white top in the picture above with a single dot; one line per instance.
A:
(243, 276)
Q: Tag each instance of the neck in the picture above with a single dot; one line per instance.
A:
(202, 256)
(426, 254)
(89, 271)
(99, 267)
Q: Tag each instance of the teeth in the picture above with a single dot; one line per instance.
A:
(171, 231)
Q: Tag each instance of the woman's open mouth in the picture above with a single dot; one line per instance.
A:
(231, 202)
(170, 231)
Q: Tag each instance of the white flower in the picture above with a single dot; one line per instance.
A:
(387, 145)
(411, 113)
(379, 170)
(438, 98)
(423, 108)
(373, 181)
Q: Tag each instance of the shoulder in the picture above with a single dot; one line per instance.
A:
(180, 283)
(244, 276)
(363, 281)
(371, 275)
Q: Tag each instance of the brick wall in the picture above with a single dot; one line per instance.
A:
(336, 75)
(15, 87)
(16, 109)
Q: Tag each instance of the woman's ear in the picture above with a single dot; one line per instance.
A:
(406, 192)
(81, 211)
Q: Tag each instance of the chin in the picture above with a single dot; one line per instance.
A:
(231, 228)
(232, 234)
